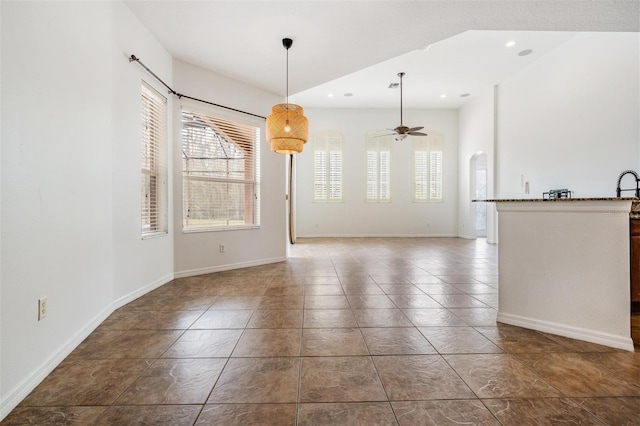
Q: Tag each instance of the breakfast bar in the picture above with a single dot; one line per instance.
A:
(564, 267)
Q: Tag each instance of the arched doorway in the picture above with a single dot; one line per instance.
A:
(478, 188)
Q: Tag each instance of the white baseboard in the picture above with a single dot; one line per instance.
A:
(120, 302)
(593, 336)
(18, 393)
(378, 236)
(15, 396)
(227, 267)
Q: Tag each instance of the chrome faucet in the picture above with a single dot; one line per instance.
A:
(637, 189)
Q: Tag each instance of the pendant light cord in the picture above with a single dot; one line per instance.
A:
(401, 97)
(287, 101)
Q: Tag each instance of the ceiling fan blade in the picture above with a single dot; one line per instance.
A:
(417, 133)
(413, 129)
(388, 134)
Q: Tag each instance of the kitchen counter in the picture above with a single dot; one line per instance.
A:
(564, 267)
(561, 200)
(633, 214)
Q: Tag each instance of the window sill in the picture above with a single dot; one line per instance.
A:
(218, 229)
(153, 235)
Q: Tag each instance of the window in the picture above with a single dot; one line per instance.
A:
(220, 172)
(427, 168)
(327, 166)
(378, 166)
(154, 162)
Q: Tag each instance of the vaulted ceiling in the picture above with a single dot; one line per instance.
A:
(358, 47)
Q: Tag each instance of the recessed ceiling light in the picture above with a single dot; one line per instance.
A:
(510, 43)
(465, 95)
(443, 95)
(525, 52)
(330, 95)
(348, 94)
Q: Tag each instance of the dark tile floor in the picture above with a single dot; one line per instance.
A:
(348, 331)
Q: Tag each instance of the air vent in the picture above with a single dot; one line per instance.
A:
(394, 85)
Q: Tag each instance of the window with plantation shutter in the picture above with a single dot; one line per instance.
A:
(220, 172)
(427, 168)
(327, 166)
(154, 162)
(378, 157)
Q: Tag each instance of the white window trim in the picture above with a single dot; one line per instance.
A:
(160, 170)
(234, 117)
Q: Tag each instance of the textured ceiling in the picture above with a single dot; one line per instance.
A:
(335, 40)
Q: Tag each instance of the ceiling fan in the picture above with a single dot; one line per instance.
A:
(402, 131)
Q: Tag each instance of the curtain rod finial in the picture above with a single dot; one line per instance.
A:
(132, 58)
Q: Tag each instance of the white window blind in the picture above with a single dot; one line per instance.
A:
(327, 166)
(427, 168)
(154, 162)
(378, 149)
(220, 172)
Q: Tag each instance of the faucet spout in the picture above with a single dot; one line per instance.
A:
(623, 174)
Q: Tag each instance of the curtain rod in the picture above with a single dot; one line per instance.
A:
(133, 58)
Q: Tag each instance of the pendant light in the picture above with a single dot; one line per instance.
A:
(287, 127)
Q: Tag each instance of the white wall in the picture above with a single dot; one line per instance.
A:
(572, 118)
(476, 124)
(70, 180)
(139, 265)
(354, 216)
(197, 253)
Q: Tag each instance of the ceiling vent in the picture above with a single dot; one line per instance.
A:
(394, 85)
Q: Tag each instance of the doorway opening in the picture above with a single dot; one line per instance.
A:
(478, 187)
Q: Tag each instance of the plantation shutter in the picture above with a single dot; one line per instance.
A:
(378, 157)
(327, 166)
(421, 169)
(427, 167)
(154, 164)
(436, 147)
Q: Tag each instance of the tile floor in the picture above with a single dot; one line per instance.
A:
(348, 331)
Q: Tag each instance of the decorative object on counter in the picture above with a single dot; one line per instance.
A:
(287, 127)
(636, 189)
(554, 194)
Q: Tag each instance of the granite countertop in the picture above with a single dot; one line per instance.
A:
(635, 205)
(535, 200)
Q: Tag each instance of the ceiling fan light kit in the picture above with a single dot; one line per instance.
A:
(287, 128)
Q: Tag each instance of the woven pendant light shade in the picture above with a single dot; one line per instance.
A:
(282, 141)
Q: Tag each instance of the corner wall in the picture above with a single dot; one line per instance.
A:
(70, 180)
(198, 252)
(476, 119)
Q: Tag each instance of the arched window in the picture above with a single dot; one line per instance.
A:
(220, 172)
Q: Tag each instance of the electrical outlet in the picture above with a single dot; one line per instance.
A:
(42, 308)
(221, 248)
